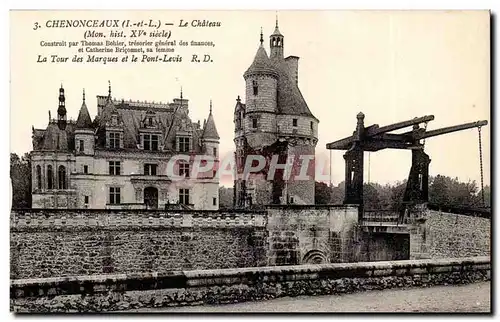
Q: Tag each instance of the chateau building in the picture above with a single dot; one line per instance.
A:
(121, 159)
(274, 122)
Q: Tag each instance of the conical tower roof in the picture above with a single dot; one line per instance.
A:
(84, 121)
(209, 129)
(261, 63)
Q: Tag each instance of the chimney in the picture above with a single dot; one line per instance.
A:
(293, 66)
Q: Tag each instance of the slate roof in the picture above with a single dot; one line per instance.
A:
(290, 99)
(210, 130)
(84, 121)
(261, 64)
(130, 115)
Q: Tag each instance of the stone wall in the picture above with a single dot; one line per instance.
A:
(451, 235)
(128, 292)
(311, 234)
(47, 243)
(67, 243)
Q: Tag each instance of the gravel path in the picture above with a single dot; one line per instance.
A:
(463, 298)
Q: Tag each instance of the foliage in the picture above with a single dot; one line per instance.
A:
(20, 177)
(322, 193)
(225, 197)
(443, 191)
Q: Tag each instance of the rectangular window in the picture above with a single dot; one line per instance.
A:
(114, 195)
(150, 169)
(183, 144)
(85, 169)
(214, 201)
(154, 142)
(114, 168)
(114, 140)
(184, 196)
(184, 169)
(312, 125)
(86, 200)
(215, 152)
(254, 123)
(294, 122)
(81, 146)
(150, 142)
(255, 88)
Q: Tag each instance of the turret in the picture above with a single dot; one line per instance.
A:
(84, 133)
(61, 110)
(276, 43)
(210, 137)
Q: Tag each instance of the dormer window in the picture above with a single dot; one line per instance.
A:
(150, 142)
(150, 121)
(114, 140)
(183, 144)
(255, 88)
(114, 119)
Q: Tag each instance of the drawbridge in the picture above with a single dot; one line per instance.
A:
(375, 138)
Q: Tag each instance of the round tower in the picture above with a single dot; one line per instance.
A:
(261, 89)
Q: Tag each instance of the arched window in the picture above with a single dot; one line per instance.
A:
(62, 177)
(255, 88)
(50, 178)
(39, 177)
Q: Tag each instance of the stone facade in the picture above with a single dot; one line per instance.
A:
(123, 158)
(444, 234)
(274, 121)
(124, 292)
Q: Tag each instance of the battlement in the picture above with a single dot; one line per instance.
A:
(52, 219)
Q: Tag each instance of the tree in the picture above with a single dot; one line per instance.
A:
(451, 192)
(20, 177)
(322, 193)
(337, 194)
(371, 197)
(225, 197)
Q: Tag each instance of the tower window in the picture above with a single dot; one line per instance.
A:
(62, 177)
(39, 177)
(254, 123)
(114, 195)
(312, 125)
(50, 178)
(214, 201)
(85, 169)
(255, 88)
(215, 152)
(294, 121)
(81, 146)
(86, 200)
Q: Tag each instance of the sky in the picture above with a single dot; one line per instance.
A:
(390, 65)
